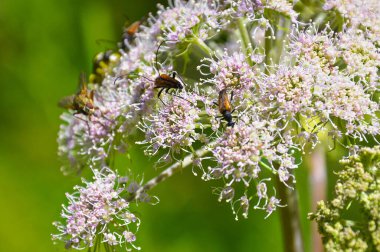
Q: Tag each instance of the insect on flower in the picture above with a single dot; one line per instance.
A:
(129, 34)
(101, 65)
(165, 81)
(224, 105)
(81, 102)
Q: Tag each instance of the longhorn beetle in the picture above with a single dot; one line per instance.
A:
(165, 81)
(129, 35)
(224, 105)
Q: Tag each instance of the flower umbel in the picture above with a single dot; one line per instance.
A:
(240, 90)
(98, 214)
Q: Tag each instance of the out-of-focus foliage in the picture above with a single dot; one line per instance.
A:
(357, 185)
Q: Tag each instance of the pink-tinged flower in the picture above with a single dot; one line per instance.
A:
(362, 58)
(174, 126)
(314, 92)
(358, 12)
(97, 213)
(242, 152)
(272, 205)
(82, 141)
(229, 72)
(250, 8)
(188, 19)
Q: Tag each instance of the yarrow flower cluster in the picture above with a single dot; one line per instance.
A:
(98, 214)
(358, 183)
(243, 88)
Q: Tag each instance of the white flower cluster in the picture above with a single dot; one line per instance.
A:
(257, 87)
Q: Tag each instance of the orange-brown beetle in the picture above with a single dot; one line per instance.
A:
(224, 105)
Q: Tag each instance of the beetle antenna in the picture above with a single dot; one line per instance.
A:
(119, 77)
(183, 99)
(158, 48)
(147, 78)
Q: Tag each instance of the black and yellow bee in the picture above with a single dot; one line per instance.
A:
(102, 64)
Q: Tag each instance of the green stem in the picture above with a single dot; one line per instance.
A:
(203, 46)
(284, 24)
(290, 221)
(268, 49)
(247, 44)
(267, 167)
(170, 171)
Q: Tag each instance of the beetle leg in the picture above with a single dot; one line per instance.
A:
(159, 92)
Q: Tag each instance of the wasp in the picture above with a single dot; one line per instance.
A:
(81, 102)
(129, 35)
(225, 108)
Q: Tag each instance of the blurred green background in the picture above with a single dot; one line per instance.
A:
(44, 44)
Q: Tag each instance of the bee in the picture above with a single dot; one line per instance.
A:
(102, 64)
(129, 35)
(81, 102)
(224, 105)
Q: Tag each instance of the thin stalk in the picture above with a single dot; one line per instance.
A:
(284, 25)
(267, 167)
(290, 221)
(268, 49)
(318, 184)
(168, 172)
(203, 46)
(247, 44)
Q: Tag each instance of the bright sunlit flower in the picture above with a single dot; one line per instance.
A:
(98, 214)
(241, 90)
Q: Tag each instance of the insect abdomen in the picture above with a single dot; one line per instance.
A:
(165, 81)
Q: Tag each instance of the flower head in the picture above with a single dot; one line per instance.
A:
(97, 213)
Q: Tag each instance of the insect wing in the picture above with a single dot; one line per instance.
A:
(224, 102)
(67, 102)
(82, 84)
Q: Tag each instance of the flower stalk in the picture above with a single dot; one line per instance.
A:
(170, 171)
(247, 43)
(290, 219)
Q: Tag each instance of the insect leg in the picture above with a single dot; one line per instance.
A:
(88, 125)
(159, 94)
